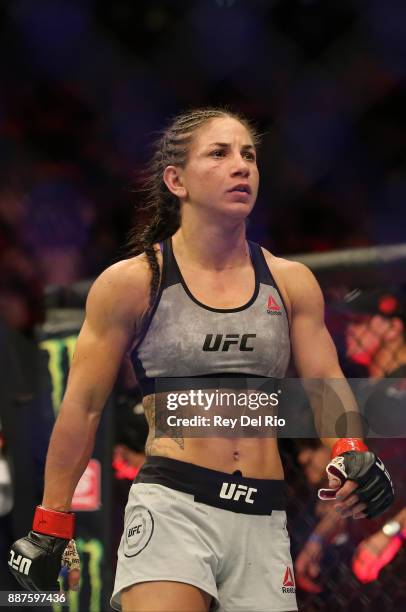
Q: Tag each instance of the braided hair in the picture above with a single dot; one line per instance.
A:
(171, 148)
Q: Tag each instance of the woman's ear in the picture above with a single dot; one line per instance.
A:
(173, 180)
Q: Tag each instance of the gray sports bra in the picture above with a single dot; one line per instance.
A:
(185, 338)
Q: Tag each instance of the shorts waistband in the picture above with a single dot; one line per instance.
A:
(231, 492)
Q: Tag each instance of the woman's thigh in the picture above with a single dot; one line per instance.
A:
(164, 596)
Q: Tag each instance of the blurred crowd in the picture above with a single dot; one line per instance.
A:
(86, 85)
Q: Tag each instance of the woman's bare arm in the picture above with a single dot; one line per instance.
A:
(114, 307)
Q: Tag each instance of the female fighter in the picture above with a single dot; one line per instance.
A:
(205, 524)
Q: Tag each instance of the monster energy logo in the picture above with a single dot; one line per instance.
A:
(60, 351)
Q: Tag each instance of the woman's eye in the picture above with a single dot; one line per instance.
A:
(220, 153)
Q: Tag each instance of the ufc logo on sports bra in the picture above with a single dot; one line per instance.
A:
(219, 342)
(229, 490)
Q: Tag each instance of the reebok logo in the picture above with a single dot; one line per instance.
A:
(218, 342)
(230, 490)
(288, 582)
(19, 563)
(273, 307)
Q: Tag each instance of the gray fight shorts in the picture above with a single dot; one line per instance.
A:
(240, 558)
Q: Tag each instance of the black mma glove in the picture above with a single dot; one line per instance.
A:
(35, 561)
(375, 488)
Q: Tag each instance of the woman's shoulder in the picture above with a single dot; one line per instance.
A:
(294, 279)
(125, 284)
(292, 271)
(133, 273)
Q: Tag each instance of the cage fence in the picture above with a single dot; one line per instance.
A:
(365, 296)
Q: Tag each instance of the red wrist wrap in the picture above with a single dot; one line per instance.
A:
(54, 523)
(348, 444)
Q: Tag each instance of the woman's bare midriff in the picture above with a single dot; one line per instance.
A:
(254, 457)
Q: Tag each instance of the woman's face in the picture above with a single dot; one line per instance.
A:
(221, 174)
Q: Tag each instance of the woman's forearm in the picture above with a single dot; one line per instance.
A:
(69, 451)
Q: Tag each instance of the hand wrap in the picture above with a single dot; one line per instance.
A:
(35, 561)
(375, 487)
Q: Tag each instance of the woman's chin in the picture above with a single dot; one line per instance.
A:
(236, 210)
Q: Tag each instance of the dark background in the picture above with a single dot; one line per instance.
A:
(85, 85)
